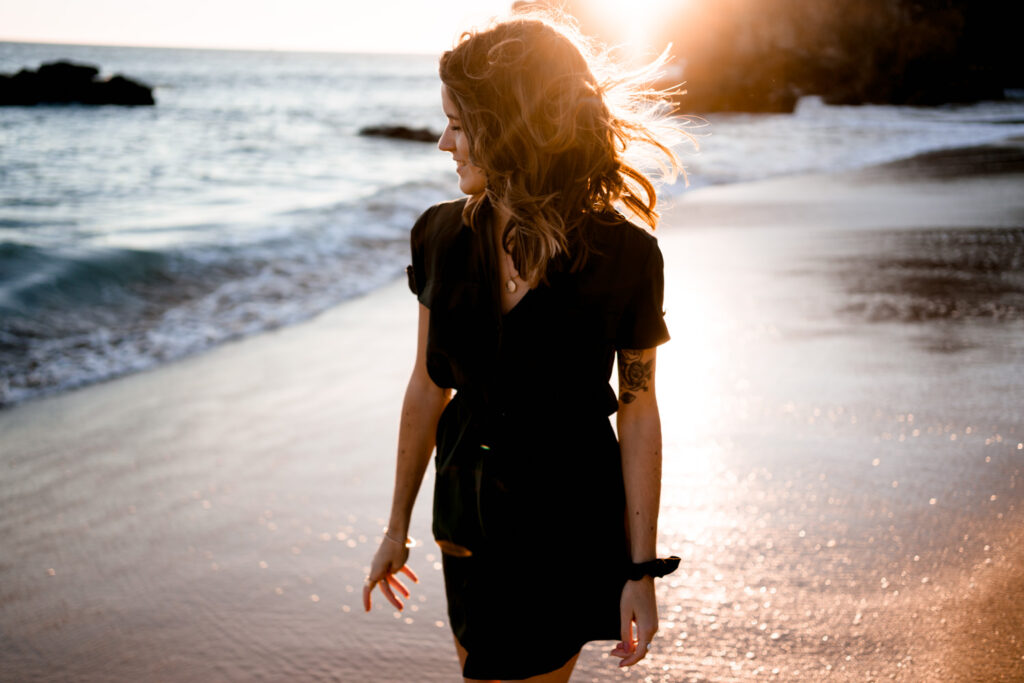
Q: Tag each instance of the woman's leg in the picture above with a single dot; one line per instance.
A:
(560, 675)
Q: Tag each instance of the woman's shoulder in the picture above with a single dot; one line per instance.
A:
(621, 257)
(440, 238)
(614, 238)
(441, 218)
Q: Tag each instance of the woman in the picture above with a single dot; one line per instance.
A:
(528, 288)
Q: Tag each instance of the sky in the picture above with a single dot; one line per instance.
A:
(415, 26)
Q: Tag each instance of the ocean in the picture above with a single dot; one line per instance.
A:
(245, 200)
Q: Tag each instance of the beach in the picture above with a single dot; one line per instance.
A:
(843, 455)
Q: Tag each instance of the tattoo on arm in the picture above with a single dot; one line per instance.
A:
(634, 374)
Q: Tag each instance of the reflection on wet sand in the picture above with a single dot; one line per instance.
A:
(928, 275)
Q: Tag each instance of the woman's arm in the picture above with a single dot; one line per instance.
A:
(639, 427)
(421, 410)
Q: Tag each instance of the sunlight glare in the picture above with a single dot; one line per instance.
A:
(693, 398)
(634, 24)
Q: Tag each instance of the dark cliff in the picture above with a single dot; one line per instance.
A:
(761, 55)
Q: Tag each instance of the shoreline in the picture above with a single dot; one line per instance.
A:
(212, 518)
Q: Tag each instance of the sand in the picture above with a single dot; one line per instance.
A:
(844, 445)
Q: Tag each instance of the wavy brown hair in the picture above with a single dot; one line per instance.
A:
(549, 119)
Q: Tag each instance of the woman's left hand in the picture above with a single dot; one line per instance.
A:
(638, 607)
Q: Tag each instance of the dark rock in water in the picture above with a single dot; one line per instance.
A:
(121, 90)
(66, 83)
(401, 133)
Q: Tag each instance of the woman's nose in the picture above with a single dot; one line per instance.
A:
(444, 143)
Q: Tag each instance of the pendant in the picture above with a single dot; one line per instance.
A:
(510, 286)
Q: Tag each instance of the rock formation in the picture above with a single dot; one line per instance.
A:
(401, 133)
(762, 55)
(65, 83)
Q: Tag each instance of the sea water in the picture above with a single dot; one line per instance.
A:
(246, 198)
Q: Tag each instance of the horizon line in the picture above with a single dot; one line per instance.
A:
(219, 48)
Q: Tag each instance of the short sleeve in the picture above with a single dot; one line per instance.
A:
(431, 241)
(642, 325)
(416, 270)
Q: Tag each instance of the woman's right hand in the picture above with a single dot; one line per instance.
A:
(388, 561)
(421, 409)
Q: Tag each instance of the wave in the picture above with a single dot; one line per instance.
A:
(73, 317)
(826, 138)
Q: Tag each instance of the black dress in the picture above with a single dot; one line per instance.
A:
(529, 490)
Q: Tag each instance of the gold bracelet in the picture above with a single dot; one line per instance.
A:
(409, 541)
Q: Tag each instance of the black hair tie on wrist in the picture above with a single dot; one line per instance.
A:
(655, 568)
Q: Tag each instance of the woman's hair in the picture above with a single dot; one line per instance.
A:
(549, 119)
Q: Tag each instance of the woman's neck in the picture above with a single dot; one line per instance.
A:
(501, 216)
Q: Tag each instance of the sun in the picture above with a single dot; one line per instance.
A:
(633, 26)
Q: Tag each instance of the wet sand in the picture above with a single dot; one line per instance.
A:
(844, 446)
